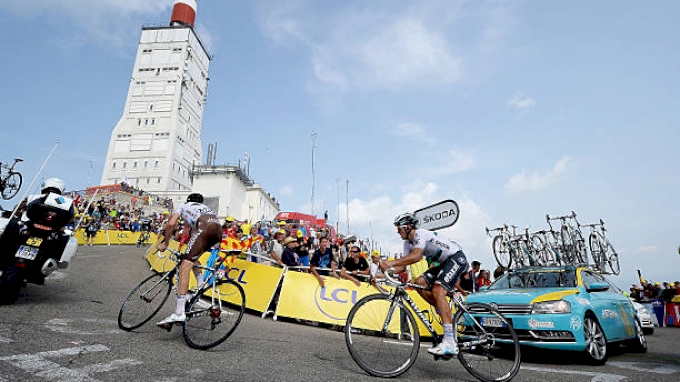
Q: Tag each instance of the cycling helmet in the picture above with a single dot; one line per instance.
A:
(407, 218)
(54, 185)
(195, 197)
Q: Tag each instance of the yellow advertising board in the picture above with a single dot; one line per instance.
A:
(114, 237)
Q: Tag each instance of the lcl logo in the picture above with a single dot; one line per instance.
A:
(324, 297)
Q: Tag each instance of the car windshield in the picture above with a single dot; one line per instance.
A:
(536, 279)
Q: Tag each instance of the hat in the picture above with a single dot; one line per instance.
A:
(375, 252)
(229, 219)
(657, 283)
(280, 232)
(299, 233)
(281, 222)
(289, 240)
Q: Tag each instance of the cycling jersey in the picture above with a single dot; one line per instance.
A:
(434, 248)
(191, 211)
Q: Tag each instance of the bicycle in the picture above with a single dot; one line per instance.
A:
(383, 338)
(10, 180)
(548, 244)
(573, 244)
(144, 237)
(213, 312)
(601, 250)
(499, 245)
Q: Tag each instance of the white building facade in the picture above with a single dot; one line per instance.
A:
(158, 138)
(230, 192)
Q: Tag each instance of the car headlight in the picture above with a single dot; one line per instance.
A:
(551, 307)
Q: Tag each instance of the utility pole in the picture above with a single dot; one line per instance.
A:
(313, 147)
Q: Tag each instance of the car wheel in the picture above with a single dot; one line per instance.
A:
(639, 343)
(596, 342)
(648, 331)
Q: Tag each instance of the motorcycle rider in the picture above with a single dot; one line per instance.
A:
(51, 191)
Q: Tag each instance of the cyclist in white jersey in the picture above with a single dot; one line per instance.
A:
(442, 278)
(206, 231)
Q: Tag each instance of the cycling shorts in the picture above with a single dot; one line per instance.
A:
(447, 273)
(207, 233)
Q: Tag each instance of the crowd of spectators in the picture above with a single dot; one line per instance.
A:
(650, 291)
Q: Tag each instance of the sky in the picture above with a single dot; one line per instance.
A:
(514, 109)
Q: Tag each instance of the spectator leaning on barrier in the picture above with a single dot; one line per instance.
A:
(276, 246)
(323, 258)
(289, 257)
(354, 266)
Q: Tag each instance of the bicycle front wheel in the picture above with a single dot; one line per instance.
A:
(613, 260)
(144, 302)
(12, 185)
(213, 315)
(488, 345)
(596, 251)
(501, 251)
(382, 336)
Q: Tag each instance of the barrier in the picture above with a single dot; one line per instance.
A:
(301, 296)
(673, 314)
(108, 237)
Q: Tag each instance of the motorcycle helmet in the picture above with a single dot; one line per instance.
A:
(54, 185)
(195, 197)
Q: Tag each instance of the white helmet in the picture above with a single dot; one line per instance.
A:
(55, 185)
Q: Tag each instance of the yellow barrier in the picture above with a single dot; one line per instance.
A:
(301, 297)
(105, 237)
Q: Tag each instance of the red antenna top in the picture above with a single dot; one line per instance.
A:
(184, 13)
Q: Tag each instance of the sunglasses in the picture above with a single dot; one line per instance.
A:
(355, 251)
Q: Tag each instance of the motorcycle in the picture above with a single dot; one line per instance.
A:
(35, 245)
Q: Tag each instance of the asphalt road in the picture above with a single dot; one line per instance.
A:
(66, 330)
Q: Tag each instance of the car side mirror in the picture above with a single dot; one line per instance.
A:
(597, 287)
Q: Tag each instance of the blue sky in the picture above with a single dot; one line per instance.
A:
(514, 109)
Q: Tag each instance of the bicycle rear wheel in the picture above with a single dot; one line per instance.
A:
(213, 315)
(382, 336)
(501, 251)
(612, 259)
(12, 185)
(580, 248)
(596, 251)
(488, 345)
(144, 302)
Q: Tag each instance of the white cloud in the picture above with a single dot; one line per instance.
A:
(412, 131)
(366, 49)
(536, 182)
(648, 249)
(521, 101)
(286, 190)
(452, 162)
(107, 21)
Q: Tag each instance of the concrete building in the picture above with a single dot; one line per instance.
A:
(228, 190)
(157, 140)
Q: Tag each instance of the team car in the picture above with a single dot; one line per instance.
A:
(565, 308)
(644, 316)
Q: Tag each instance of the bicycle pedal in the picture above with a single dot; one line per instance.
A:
(443, 357)
(167, 327)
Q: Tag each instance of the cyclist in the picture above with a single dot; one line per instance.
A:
(441, 279)
(205, 231)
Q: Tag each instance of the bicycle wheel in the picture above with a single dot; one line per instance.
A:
(501, 251)
(580, 248)
(567, 244)
(12, 185)
(488, 345)
(213, 316)
(144, 302)
(612, 259)
(382, 336)
(544, 256)
(596, 251)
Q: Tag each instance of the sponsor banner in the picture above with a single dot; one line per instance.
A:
(258, 281)
(104, 237)
(302, 298)
(672, 314)
(439, 215)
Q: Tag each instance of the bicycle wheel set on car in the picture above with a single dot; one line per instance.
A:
(214, 314)
(144, 301)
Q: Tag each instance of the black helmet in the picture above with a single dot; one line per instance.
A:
(195, 197)
(407, 218)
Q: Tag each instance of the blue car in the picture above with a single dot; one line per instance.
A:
(566, 308)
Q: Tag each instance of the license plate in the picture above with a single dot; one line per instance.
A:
(492, 322)
(27, 252)
(34, 241)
